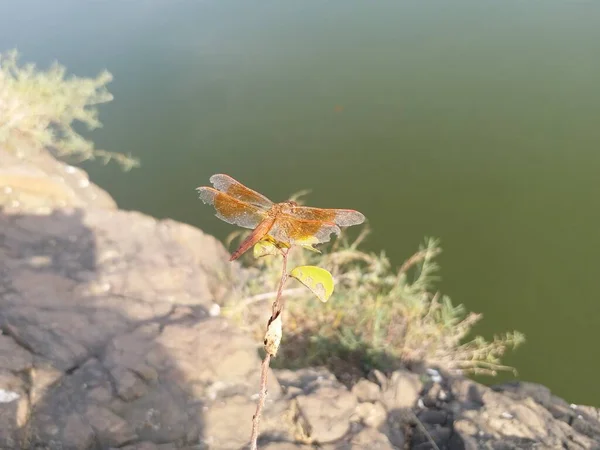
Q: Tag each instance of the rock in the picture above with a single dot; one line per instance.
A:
(468, 394)
(373, 415)
(366, 391)
(587, 422)
(367, 438)
(439, 435)
(14, 410)
(327, 409)
(433, 417)
(396, 435)
(13, 357)
(402, 390)
(109, 428)
(285, 446)
(434, 396)
(304, 378)
(500, 420)
(77, 432)
(521, 390)
(40, 181)
(106, 329)
(229, 422)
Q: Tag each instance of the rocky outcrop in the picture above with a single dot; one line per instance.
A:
(111, 338)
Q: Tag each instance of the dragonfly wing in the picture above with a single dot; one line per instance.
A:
(234, 188)
(341, 217)
(232, 210)
(294, 231)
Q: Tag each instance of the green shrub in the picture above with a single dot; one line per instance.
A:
(39, 108)
(377, 318)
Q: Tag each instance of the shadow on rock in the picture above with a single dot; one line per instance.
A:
(107, 340)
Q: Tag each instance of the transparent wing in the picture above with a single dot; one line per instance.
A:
(232, 210)
(294, 231)
(341, 217)
(234, 188)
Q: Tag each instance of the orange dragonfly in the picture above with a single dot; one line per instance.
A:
(285, 222)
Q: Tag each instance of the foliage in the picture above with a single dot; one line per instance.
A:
(317, 279)
(377, 315)
(38, 110)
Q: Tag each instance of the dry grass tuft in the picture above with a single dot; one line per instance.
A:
(378, 317)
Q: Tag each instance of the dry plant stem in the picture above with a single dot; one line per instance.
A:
(261, 401)
(262, 396)
(424, 431)
(279, 302)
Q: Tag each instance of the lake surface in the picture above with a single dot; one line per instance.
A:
(472, 121)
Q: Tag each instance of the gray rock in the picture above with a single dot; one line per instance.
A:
(13, 357)
(285, 446)
(586, 422)
(367, 438)
(522, 389)
(439, 435)
(401, 390)
(305, 379)
(327, 410)
(433, 417)
(373, 415)
(105, 329)
(366, 391)
(512, 420)
(14, 410)
(40, 182)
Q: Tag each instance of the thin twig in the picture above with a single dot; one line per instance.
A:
(276, 311)
(424, 431)
(264, 371)
(278, 303)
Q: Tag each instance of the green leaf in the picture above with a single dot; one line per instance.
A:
(318, 280)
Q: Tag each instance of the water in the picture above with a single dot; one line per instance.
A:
(472, 121)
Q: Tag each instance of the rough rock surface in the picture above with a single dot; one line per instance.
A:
(107, 341)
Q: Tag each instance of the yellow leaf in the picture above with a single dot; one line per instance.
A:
(264, 248)
(318, 280)
(268, 246)
(310, 247)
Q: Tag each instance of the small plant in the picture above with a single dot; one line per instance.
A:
(38, 110)
(277, 227)
(378, 317)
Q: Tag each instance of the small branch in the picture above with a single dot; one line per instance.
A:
(276, 312)
(424, 431)
(279, 302)
(264, 371)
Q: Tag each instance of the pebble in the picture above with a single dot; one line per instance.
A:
(215, 310)
(435, 375)
(8, 396)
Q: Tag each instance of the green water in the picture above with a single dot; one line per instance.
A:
(473, 121)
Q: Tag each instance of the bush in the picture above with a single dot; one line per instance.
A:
(377, 318)
(38, 110)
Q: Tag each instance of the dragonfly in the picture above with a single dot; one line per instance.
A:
(286, 222)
